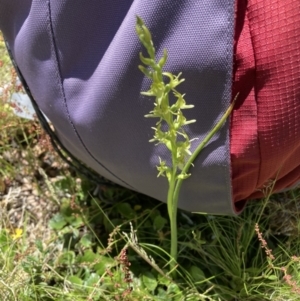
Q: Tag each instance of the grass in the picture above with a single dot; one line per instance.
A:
(62, 240)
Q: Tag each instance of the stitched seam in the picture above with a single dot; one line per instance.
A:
(229, 67)
(61, 88)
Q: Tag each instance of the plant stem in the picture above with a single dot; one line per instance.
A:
(172, 210)
(200, 147)
(175, 185)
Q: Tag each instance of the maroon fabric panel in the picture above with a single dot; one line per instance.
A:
(265, 132)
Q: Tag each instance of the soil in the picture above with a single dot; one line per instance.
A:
(28, 198)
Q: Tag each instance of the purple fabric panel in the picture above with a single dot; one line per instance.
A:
(80, 60)
(34, 48)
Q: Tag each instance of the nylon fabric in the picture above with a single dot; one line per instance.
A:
(80, 62)
(265, 135)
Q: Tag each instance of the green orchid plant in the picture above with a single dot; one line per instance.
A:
(173, 136)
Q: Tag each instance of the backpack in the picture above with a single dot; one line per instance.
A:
(78, 61)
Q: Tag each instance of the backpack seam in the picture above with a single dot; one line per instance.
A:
(62, 92)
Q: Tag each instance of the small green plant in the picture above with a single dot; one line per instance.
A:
(174, 136)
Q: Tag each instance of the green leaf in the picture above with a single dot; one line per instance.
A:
(196, 273)
(74, 280)
(57, 222)
(104, 263)
(65, 208)
(271, 277)
(27, 266)
(149, 281)
(75, 220)
(159, 222)
(92, 280)
(67, 258)
(125, 210)
(161, 294)
(5, 240)
(163, 280)
(253, 271)
(174, 289)
(88, 257)
(39, 245)
(153, 214)
(86, 241)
